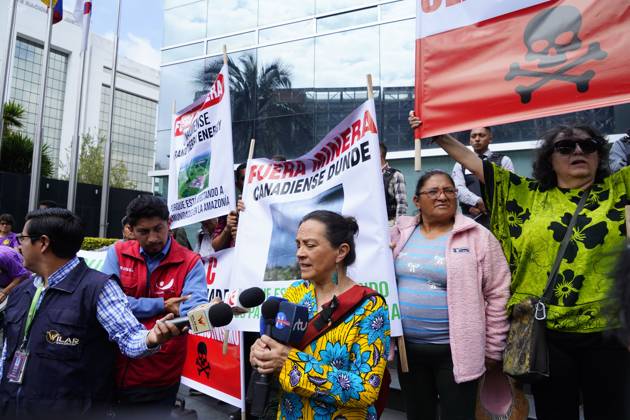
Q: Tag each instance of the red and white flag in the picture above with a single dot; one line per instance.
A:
(488, 62)
(82, 14)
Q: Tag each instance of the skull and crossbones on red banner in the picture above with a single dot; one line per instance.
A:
(549, 37)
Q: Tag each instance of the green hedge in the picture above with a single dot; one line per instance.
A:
(90, 244)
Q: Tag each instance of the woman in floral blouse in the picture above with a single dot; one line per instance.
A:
(339, 374)
(530, 217)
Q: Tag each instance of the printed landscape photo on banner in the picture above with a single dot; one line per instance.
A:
(281, 261)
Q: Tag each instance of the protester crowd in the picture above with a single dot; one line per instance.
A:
(78, 342)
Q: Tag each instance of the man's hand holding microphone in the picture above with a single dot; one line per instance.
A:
(163, 331)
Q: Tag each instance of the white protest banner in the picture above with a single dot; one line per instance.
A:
(201, 177)
(342, 174)
(206, 368)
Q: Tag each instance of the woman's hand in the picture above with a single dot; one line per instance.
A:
(268, 355)
(414, 122)
(232, 223)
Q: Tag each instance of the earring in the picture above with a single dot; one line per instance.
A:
(335, 276)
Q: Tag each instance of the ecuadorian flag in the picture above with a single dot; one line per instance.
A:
(57, 9)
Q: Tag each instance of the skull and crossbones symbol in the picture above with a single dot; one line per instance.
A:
(549, 36)
(202, 360)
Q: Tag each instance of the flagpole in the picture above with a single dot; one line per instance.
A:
(36, 165)
(76, 140)
(8, 60)
(108, 144)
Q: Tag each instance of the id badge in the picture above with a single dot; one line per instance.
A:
(17, 368)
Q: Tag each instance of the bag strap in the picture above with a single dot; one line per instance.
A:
(335, 312)
(541, 311)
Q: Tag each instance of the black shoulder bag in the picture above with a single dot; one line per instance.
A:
(526, 355)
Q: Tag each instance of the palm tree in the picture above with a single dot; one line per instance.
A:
(17, 147)
(12, 116)
(262, 106)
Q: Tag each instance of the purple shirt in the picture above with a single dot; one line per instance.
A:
(11, 266)
(10, 240)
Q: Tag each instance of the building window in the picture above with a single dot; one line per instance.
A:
(25, 90)
(229, 16)
(133, 134)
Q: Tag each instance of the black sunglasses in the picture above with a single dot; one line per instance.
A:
(567, 146)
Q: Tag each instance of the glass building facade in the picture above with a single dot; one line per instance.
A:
(133, 134)
(25, 90)
(298, 68)
(133, 141)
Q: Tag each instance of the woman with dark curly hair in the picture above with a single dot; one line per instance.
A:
(530, 218)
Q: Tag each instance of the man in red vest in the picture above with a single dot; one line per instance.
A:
(159, 276)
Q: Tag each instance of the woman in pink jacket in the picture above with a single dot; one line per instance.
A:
(453, 285)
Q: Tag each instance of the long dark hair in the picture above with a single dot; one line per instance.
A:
(339, 230)
(543, 170)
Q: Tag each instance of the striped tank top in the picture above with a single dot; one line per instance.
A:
(421, 276)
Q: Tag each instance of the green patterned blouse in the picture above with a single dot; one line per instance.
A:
(530, 224)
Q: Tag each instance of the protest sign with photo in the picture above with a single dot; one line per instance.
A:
(201, 177)
(206, 368)
(342, 174)
(482, 63)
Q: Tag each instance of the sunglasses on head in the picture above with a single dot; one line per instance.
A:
(567, 146)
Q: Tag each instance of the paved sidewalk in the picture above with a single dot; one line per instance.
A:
(208, 408)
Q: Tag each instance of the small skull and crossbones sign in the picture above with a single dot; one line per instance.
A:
(549, 36)
(202, 360)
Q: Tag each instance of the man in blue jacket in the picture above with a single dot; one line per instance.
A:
(58, 356)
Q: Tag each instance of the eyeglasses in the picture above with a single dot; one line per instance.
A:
(567, 146)
(435, 192)
(21, 237)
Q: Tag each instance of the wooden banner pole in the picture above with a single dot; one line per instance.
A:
(252, 144)
(417, 150)
(402, 353)
(226, 336)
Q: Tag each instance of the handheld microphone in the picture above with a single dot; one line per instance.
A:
(260, 386)
(290, 324)
(263, 324)
(245, 299)
(204, 317)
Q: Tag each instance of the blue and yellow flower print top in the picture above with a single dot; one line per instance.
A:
(340, 373)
